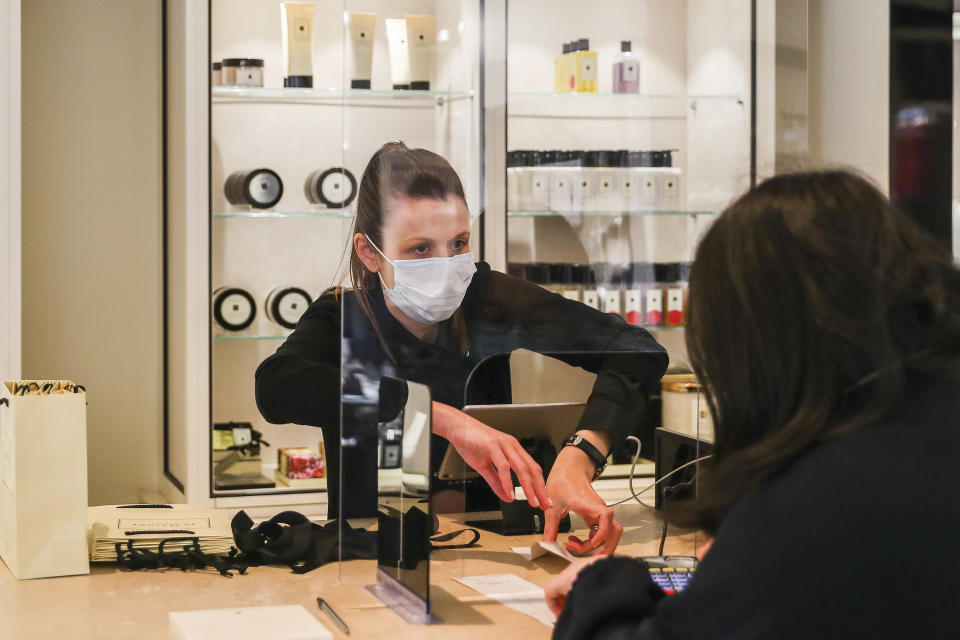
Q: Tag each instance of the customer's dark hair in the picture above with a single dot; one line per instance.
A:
(807, 298)
(397, 171)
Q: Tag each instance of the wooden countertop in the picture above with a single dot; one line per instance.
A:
(112, 603)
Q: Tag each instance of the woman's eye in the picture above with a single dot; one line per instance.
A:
(421, 249)
(459, 244)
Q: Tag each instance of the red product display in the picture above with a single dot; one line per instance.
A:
(300, 463)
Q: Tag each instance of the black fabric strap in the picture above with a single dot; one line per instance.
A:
(444, 537)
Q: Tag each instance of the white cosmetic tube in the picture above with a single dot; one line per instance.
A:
(421, 40)
(361, 27)
(296, 20)
(399, 58)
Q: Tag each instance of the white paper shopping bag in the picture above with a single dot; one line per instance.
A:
(43, 478)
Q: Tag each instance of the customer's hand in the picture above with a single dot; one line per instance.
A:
(703, 548)
(558, 587)
(569, 486)
(492, 454)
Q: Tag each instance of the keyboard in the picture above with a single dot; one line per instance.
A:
(671, 573)
(672, 580)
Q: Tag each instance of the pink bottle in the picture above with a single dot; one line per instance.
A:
(626, 70)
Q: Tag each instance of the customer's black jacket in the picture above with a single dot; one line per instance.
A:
(857, 539)
(300, 383)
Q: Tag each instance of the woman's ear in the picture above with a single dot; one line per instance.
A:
(368, 255)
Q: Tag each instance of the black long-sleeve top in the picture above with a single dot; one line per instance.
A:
(857, 539)
(300, 383)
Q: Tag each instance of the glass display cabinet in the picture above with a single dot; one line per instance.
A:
(628, 131)
(594, 154)
(293, 100)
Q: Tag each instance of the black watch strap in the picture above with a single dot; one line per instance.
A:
(578, 441)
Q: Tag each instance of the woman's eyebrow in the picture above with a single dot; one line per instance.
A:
(415, 241)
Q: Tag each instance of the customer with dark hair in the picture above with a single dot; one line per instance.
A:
(826, 328)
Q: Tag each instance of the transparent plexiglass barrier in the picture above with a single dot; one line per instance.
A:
(448, 431)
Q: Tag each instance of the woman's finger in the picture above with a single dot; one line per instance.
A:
(527, 473)
(503, 470)
(489, 473)
(538, 484)
(605, 532)
(551, 526)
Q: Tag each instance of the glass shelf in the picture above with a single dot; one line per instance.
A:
(336, 97)
(241, 338)
(612, 105)
(533, 214)
(319, 213)
(625, 97)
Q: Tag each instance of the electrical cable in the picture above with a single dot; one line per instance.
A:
(663, 537)
(634, 495)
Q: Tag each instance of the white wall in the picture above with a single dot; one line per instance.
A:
(10, 188)
(92, 153)
(849, 82)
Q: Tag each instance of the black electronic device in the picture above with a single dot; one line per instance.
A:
(519, 517)
(671, 573)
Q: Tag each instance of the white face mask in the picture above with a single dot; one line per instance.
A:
(429, 290)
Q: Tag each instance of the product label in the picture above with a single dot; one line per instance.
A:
(654, 315)
(334, 187)
(584, 185)
(611, 302)
(631, 72)
(539, 184)
(649, 187)
(249, 77)
(301, 30)
(633, 306)
(674, 307)
(572, 294)
(292, 307)
(670, 186)
(560, 191)
(591, 299)
(235, 309)
(605, 185)
(588, 70)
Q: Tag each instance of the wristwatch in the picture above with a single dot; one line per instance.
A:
(578, 441)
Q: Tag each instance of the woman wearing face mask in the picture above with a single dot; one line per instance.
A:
(450, 323)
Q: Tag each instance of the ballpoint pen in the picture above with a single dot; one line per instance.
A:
(333, 615)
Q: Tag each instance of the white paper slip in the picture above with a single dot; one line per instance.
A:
(513, 591)
(541, 548)
(282, 622)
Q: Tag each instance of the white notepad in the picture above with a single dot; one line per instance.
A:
(283, 622)
(513, 591)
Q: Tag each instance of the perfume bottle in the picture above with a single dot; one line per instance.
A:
(561, 84)
(626, 70)
(585, 68)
